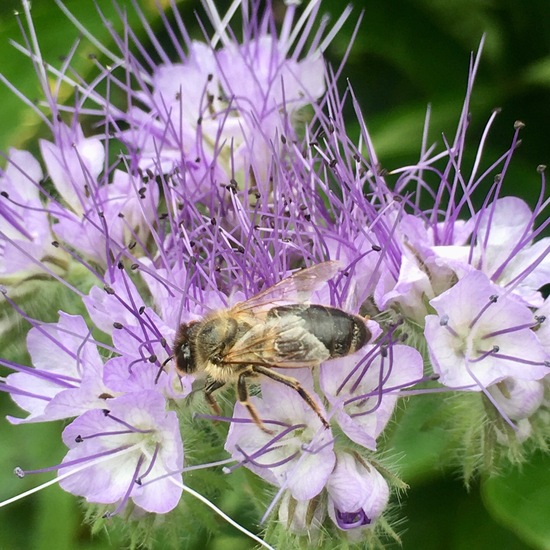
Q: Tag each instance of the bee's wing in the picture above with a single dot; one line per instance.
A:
(282, 342)
(294, 289)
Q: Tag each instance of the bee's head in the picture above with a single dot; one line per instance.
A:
(184, 348)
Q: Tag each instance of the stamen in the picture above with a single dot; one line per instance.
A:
(100, 458)
(81, 438)
(268, 447)
(249, 460)
(151, 465)
(485, 354)
(129, 490)
(513, 329)
(107, 453)
(133, 429)
(492, 300)
(519, 360)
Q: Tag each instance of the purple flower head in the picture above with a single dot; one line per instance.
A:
(221, 192)
(358, 494)
(481, 336)
(299, 455)
(217, 113)
(134, 451)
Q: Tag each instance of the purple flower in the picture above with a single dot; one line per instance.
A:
(61, 388)
(134, 451)
(114, 216)
(518, 399)
(299, 455)
(504, 250)
(481, 336)
(74, 163)
(217, 113)
(25, 235)
(363, 389)
(358, 494)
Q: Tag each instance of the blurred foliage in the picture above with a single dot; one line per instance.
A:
(407, 54)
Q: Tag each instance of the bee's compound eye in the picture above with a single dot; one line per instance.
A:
(184, 358)
(183, 352)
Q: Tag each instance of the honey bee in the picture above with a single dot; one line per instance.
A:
(275, 328)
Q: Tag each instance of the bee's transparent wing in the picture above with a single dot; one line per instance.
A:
(281, 342)
(297, 288)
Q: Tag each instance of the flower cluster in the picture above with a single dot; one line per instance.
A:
(236, 172)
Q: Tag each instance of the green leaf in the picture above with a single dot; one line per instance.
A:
(520, 500)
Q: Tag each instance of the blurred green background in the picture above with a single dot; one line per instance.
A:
(408, 53)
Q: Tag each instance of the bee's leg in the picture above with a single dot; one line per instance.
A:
(242, 394)
(211, 387)
(295, 385)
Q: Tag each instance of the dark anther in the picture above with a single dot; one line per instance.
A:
(78, 439)
(133, 267)
(118, 325)
(141, 310)
(109, 290)
(152, 358)
(376, 248)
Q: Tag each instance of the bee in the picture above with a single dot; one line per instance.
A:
(275, 328)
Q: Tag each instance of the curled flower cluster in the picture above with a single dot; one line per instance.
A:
(236, 172)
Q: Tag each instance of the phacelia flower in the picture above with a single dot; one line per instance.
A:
(141, 452)
(481, 336)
